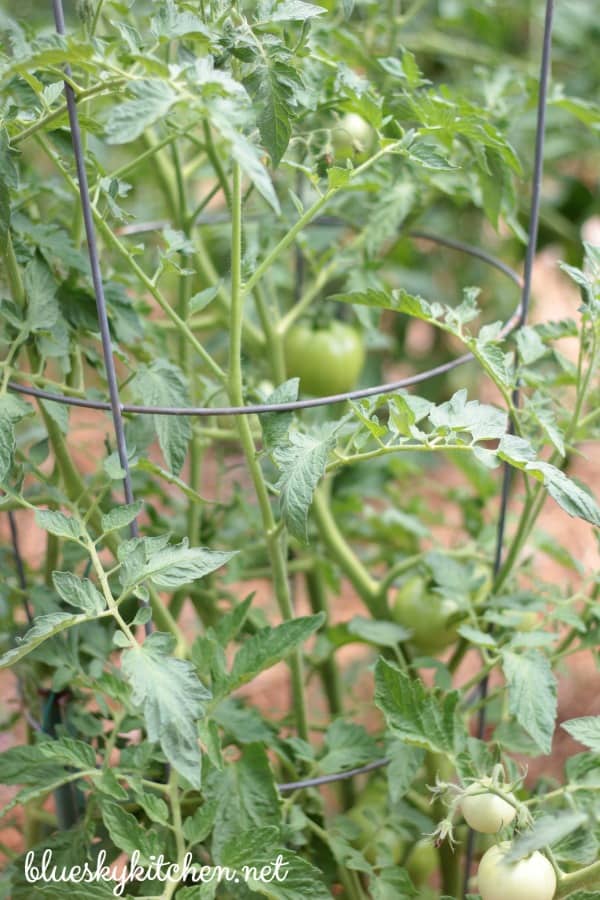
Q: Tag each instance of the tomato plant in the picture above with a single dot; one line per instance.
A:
(241, 632)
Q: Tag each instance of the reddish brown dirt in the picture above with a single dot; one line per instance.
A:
(579, 692)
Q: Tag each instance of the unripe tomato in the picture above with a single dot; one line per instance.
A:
(326, 360)
(422, 862)
(485, 811)
(426, 614)
(352, 138)
(531, 878)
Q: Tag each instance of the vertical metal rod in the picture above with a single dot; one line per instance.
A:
(88, 219)
(534, 218)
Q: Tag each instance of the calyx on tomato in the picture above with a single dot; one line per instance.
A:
(327, 360)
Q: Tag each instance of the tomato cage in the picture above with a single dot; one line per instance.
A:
(117, 409)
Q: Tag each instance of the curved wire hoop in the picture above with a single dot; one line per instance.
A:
(203, 411)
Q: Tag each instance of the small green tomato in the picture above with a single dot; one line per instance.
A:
(421, 862)
(485, 811)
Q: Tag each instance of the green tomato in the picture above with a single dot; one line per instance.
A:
(326, 360)
(485, 811)
(426, 614)
(353, 138)
(422, 862)
(531, 878)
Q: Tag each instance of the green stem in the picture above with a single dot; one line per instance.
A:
(589, 877)
(216, 164)
(276, 557)
(449, 860)
(272, 336)
(330, 675)
(366, 587)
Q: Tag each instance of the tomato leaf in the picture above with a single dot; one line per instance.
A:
(302, 464)
(270, 645)
(163, 384)
(172, 699)
(79, 592)
(547, 830)
(586, 730)
(347, 746)
(44, 627)
(153, 98)
(532, 694)
(418, 716)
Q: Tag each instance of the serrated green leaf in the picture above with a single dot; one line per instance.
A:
(40, 291)
(246, 798)
(532, 694)
(302, 464)
(198, 826)
(295, 10)
(68, 752)
(163, 384)
(546, 831)
(7, 445)
(125, 831)
(275, 426)
(392, 883)
(272, 86)
(402, 770)
(418, 716)
(347, 746)
(43, 627)
(481, 420)
(378, 631)
(255, 853)
(27, 764)
(268, 646)
(168, 566)
(569, 495)
(79, 592)
(477, 637)
(172, 699)
(58, 523)
(586, 730)
(121, 516)
(248, 157)
(153, 100)
(155, 807)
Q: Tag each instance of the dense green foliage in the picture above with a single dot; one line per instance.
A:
(255, 169)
